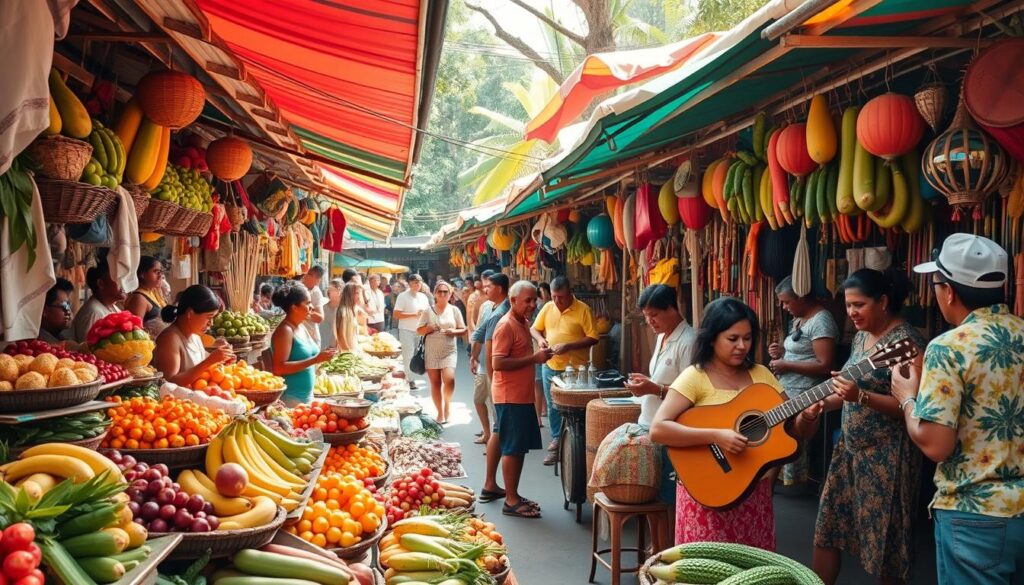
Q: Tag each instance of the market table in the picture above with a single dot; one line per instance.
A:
(572, 463)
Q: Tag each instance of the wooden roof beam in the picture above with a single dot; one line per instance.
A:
(871, 42)
(120, 37)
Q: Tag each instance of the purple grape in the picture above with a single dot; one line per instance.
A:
(176, 486)
(158, 525)
(195, 504)
(140, 484)
(165, 496)
(213, 521)
(208, 508)
(180, 499)
(182, 519)
(140, 467)
(152, 473)
(130, 475)
(200, 525)
(149, 511)
(162, 468)
(154, 488)
(168, 511)
(128, 460)
(134, 507)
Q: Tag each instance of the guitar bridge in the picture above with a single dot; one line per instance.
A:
(719, 456)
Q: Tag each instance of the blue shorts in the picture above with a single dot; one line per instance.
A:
(517, 428)
(978, 549)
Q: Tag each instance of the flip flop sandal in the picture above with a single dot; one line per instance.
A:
(487, 496)
(480, 441)
(521, 510)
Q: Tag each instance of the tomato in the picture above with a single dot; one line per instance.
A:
(30, 580)
(4, 580)
(36, 552)
(425, 472)
(18, 537)
(19, 564)
(421, 480)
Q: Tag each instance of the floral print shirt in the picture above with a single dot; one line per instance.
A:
(973, 381)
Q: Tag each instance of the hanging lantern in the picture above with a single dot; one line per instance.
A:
(964, 164)
(694, 211)
(889, 126)
(170, 98)
(600, 233)
(667, 204)
(229, 158)
(931, 103)
(791, 150)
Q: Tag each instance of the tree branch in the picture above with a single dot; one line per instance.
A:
(519, 45)
(559, 28)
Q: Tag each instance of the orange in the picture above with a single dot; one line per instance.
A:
(320, 525)
(337, 519)
(357, 509)
(347, 539)
(333, 535)
(307, 536)
(319, 540)
(370, 522)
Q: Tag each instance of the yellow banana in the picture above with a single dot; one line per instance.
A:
(263, 511)
(222, 505)
(57, 465)
(233, 454)
(44, 481)
(96, 461)
(215, 455)
(256, 461)
(250, 445)
(298, 464)
(289, 447)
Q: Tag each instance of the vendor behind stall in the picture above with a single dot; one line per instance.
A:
(106, 294)
(53, 327)
(293, 351)
(147, 301)
(179, 353)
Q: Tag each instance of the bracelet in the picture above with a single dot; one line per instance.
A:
(863, 399)
(903, 405)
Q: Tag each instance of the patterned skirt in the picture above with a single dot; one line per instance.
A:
(751, 523)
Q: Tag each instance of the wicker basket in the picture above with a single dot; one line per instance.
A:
(630, 493)
(180, 223)
(358, 550)
(200, 225)
(643, 576)
(384, 354)
(18, 401)
(174, 458)
(580, 398)
(74, 202)
(90, 444)
(262, 397)
(60, 157)
(171, 98)
(345, 438)
(157, 216)
(382, 480)
(140, 197)
(224, 543)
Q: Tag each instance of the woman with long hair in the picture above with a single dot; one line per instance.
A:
(147, 300)
(179, 352)
(292, 349)
(442, 324)
(352, 318)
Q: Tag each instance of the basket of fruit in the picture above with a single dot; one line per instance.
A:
(91, 444)
(45, 382)
(32, 348)
(257, 386)
(358, 551)
(327, 385)
(172, 457)
(60, 157)
(86, 429)
(224, 543)
(382, 480)
(201, 224)
(73, 202)
(237, 327)
(171, 431)
(347, 438)
(261, 397)
(157, 216)
(120, 339)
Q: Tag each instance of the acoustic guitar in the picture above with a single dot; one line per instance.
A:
(721, 480)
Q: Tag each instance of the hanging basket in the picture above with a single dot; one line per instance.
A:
(171, 98)
(229, 158)
(60, 157)
(200, 225)
(157, 216)
(931, 103)
(73, 202)
(140, 197)
(180, 222)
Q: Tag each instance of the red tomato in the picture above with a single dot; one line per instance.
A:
(36, 552)
(4, 580)
(425, 472)
(19, 564)
(30, 580)
(18, 536)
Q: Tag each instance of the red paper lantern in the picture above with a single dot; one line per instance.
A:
(889, 125)
(791, 151)
(170, 98)
(694, 212)
(229, 158)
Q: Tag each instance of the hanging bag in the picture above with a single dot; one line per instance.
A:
(418, 363)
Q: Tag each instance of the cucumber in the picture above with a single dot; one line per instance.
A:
(136, 554)
(811, 199)
(883, 184)
(95, 544)
(743, 556)
(863, 177)
(254, 580)
(695, 571)
(831, 186)
(760, 125)
(760, 576)
(91, 521)
(748, 158)
(730, 180)
(821, 193)
(102, 569)
(749, 202)
(755, 187)
(267, 564)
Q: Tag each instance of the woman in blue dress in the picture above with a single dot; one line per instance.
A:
(293, 351)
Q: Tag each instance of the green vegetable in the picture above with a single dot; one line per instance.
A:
(267, 564)
(760, 576)
(16, 194)
(742, 556)
(695, 571)
(62, 564)
(94, 544)
(103, 569)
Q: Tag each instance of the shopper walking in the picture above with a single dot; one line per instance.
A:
(409, 307)
(567, 327)
(328, 327)
(498, 287)
(513, 360)
(805, 358)
(962, 407)
(351, 318)
(293, 351)
(375, 303)
(442, 325)
(870, 494)
(311, 280)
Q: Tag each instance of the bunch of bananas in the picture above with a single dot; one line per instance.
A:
(579, 249)
(106, 167)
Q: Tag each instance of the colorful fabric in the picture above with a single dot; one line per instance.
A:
(627, 457)
(971, 382)
(751, 523)
(870, 495)
(512, 340)
(696, 386)
(567, 326)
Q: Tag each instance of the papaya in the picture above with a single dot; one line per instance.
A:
(55, 123)
(820, 132)
(75, 120)
(161, 159)
(128, 124)
(144, 153)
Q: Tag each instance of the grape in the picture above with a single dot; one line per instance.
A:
(168, 511)
(135, 507)
(158, 525)
(166, 496)
(162, 468)
(196, 504)
(213, 521)
(208, 508)
(200, 525)
(154, 487)
(181, 499)
(182, 518)
(152, 473)
(149, 510)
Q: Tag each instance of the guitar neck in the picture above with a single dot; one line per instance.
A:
(794, 406)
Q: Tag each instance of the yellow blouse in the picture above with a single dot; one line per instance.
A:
(696, 386)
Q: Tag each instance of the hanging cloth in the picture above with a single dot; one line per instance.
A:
(802, 266)
(125, 251)
(334, 235)
(221, 225)
(23, 289)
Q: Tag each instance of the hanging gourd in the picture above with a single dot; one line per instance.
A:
(600, 232)
(707, 189)
(889, 125)
(620, 241)
(667, 204)
(170, 98)
(229, 158)
(821, 132)
(964, 164)
(629, 222)
(791, 151)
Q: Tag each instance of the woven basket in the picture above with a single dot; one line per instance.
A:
(630, 493)
(384, 354)
(171, 98)
(201, 223)
(74, 202)
(140, 197)
(181, 222)
(382, 480)
(236, 215)
(173, 458)
(643, 576)
(18, 401)
(345, 438)
(358, 550)
(931, 103)
(349, 408)
(262, 397)
(60, 157)
(157, 216)
(224, 543)
(90, 444)
(580, 398)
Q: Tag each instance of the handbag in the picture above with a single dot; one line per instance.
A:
(418, 363)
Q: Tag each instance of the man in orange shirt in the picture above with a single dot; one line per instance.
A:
(513, 361)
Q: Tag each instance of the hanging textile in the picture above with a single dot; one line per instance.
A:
(125, 252)
(23, 289)
(334, 234)
(221, 225)
(802, 266)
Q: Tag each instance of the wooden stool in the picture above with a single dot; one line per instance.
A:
(655, 515)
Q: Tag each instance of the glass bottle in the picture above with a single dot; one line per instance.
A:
(569, 377)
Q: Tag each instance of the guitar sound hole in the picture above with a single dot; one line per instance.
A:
(753, 427)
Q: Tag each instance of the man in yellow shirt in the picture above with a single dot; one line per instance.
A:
(566, 326)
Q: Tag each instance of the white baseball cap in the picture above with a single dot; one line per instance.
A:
(967, 259)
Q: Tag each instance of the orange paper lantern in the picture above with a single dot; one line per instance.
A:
(170, 98)
(889, 125)
(229, 158)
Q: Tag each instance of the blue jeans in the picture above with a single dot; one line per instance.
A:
(974, 549)
(554, 416)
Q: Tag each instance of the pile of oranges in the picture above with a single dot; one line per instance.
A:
(359, 462)
(341, 511)
(240, 377)
(318, 415)
(145, 423)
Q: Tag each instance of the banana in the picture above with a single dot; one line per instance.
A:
(96, 461)
(289, 447)
(215, 452)
(765, 192)
(298, 464)
(98, 151)
(58, 465)
(262, 512)
(900, 200)
(44, 481)
(267, 465)
(280, 470)
(233, 454)
(222, 505)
